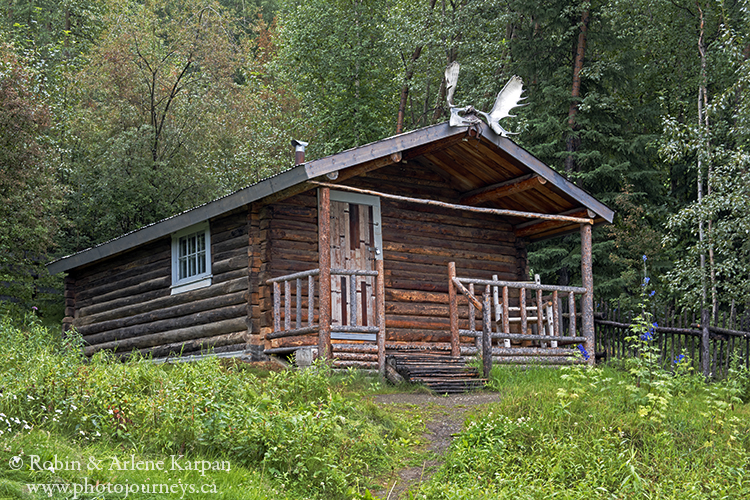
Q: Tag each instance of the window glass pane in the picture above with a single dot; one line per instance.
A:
(192, 255)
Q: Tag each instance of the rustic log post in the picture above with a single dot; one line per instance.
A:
(276, 306)
(453, 305)
(310, 300)
(298, 311)
(572, 313)
(498, 310)
(287, 305)
(473, 318)
(353, 300)
(486, 334)
(555, 317)
(522, 300)
(324, 263)
(506, 311)
(587, 302)
(539, 318)
(705, 354)
(380, 304)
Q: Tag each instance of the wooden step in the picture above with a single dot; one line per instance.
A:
(440, 372)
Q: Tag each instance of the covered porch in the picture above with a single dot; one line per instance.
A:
(338, 309)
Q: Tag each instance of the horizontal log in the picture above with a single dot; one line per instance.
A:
(116, 289)
(453, 206)
(156, 327)
(294, 276)
(230, 244)
(526, 285)
(175, 311)
(296, 342)
(416, 238)
(415, 296)
(135, 269)
(292, 333)
(368, 348)
(125, 265)
(230, 276)
(404, 211)
(351, 356)
(172, 336)
(230, 253)
(230, 264)
(469, 350)
(138, 306)
(411, 335)
(158, 284)
(460, 253)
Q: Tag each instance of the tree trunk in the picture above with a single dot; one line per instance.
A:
(572, 143)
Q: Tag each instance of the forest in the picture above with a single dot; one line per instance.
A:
(116, 114)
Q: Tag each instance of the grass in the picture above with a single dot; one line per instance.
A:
(295, 434)
(632, 431)
(595, 433)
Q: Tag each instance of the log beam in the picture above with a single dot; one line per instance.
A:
(502, 189)
(453, 206)
(538, 226)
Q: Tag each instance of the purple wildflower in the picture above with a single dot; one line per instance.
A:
(584, 352)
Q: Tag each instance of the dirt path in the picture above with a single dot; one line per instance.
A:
(444, 417)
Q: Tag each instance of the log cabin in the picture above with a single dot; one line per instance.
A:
(413, 243)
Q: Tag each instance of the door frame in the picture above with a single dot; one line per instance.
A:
(363, 199)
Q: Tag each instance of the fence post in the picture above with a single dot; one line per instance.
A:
(486, 334)
(705, 355)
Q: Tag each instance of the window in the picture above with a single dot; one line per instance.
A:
(191, 259)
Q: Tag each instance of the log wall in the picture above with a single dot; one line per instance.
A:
(124, 303)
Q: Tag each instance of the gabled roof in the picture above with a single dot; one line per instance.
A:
(478, 163)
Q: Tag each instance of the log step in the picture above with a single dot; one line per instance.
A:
(439, 372)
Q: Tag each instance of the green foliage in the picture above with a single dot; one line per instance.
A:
(29, 193)
(299, 427)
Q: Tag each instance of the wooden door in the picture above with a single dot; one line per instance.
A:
(355, 245)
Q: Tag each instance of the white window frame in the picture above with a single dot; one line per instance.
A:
(196, 281)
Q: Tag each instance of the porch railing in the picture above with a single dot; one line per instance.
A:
(294, 322)
(546, 315)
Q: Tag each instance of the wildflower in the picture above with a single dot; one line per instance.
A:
(647, 336)
(679, 359)
(653, 292)
(35, 308)
(645, 258)
(646, 280)
(584, 353)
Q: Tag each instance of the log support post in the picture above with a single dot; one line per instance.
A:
(380, 305)
(324, 264)
(453, 304)
(587, 302)
(486, 334)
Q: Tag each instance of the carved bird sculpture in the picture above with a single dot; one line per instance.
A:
(507, 99)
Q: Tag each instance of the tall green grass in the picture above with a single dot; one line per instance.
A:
(307, 433)
(602, 433)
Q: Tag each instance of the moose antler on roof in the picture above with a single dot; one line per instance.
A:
(508, 98)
